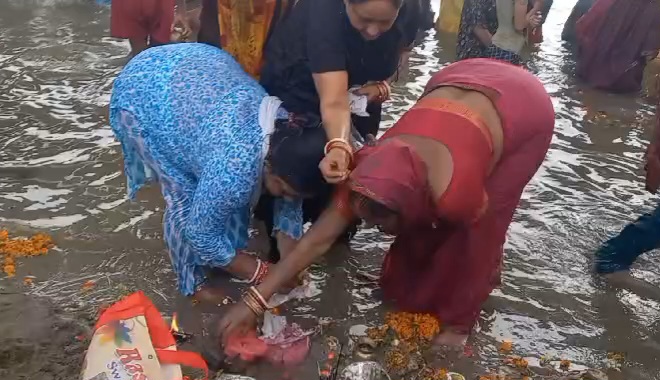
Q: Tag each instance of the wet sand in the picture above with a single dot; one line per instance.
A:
(60, 173)
(39, 340)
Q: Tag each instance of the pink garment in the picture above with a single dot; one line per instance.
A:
(615, 37)
(450, 269)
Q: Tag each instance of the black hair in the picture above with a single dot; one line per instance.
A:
(397, 3)
(296, 149)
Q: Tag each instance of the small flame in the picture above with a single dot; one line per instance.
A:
(174, 326)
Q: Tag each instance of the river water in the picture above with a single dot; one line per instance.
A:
(61, 173)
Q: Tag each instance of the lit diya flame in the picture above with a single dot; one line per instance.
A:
(179, 336)
(174, 326)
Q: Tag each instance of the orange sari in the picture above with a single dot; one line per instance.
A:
(244, 27)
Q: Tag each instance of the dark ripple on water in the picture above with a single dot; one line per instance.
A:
(61, 173)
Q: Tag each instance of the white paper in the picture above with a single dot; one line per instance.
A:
(306, 290)
(273, 325)
(358, 103)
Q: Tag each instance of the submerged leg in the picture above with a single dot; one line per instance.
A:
(138, 45)
(614, 258)
(619, 252)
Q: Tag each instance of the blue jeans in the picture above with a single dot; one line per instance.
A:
(620, 252)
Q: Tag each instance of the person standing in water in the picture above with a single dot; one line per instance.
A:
(188, 117)
(616, 40)
(513, 18)
(319, 52)
(446, 180)
(579, 10)
(475, 33)
(146, 23)
(615, 257)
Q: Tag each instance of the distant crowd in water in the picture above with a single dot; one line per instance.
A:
(261, 119)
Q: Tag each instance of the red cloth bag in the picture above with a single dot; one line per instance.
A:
(131, 341)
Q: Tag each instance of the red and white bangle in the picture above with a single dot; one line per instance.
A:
(263, 272)
(256, 272)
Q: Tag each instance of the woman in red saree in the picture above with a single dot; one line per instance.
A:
(446, 180)
(616, 39)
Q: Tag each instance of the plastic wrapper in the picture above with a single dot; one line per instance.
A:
(306, 290)
(287, 344)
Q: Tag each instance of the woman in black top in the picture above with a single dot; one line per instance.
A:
(324, 47)
(318, 50)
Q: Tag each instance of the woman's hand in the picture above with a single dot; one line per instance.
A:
(181, 23)
(534, 19)
(375, 92)
(334, 165)
(238, 320)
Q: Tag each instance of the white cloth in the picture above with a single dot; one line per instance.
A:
(358, 103)
(507, 37)
(267, 115)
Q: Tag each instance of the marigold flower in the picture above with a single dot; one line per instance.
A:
(11, 248)
(506, 346)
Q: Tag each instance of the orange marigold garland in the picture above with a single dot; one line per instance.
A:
(413, 327)
(11, 248)
(407, 333)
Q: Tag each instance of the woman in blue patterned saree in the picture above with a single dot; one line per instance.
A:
(188, 117)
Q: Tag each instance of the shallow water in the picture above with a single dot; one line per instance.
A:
(61, 173)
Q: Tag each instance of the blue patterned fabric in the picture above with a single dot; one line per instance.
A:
(621, 251)
(187, 116)
(498, 53)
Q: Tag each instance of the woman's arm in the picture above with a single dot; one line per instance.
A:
(328, 58)
(483, 35)
(332, 88)
(313, 244)
(520, 15)
(478, 18)
(316, 242)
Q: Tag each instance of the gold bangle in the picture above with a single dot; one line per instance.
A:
(251, 306)
(255, 293)
(345, 149)
(337, 141)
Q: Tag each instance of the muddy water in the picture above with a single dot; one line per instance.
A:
(61, 172)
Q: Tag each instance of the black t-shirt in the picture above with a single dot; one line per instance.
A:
(317, 37)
